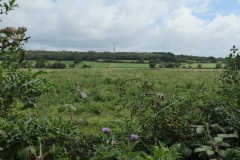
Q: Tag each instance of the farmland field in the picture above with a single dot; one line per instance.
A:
(204, 65)
(102, 88)
(127, 65)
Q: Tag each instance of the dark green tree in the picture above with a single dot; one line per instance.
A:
(218, 66)
(40, 64)
(199, 65)
(141, 60)
(152, 63)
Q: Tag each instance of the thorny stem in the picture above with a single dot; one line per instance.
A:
(156, 114)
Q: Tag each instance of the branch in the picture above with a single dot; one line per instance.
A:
(9, 44)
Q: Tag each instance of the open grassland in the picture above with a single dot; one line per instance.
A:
(204, 65)
(102, 87)
(127, 65)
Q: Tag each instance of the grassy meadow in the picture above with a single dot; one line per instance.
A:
(102, 88)
(204, 65)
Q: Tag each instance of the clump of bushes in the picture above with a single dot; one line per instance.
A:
(86, 66)
(57, 65)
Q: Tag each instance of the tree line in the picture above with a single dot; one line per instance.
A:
(77, 56)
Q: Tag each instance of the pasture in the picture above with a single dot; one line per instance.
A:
(102, 88)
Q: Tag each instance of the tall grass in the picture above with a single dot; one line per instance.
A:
(102, 87)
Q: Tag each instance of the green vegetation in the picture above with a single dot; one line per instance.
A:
(109, 113)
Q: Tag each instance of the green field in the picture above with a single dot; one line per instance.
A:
(102, 87)
(127, 65)
(204, 65)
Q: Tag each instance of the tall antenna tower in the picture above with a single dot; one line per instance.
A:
(114, 48)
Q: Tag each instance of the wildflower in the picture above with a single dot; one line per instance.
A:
(134, 137)
(105, 130)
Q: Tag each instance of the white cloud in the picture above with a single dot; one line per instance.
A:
(135, 25)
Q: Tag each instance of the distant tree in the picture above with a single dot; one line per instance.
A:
(61, 65)
(58, 64)
(218, 66)
(152, 63)
(86, 66)
(161, 65)
(158, 60)
(141, 60)
(184, 67)
(40, 64)
(54, 65)
(177, 64)
(49, 65)
(189, 66)
(169, 65)
(212, 59)
(77, 59)
(199, 65)
(72, 65)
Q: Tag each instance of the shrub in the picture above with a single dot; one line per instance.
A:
(218, 66)
(169, 65)
(161, 65)
(199, 65)
(86, 66)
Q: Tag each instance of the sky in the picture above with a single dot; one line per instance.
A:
(189, 27)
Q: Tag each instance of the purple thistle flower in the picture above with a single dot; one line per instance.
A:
(105, 130)
(134, 137)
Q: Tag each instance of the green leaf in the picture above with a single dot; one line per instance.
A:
(63, 107)
(186, 152)
(133, 154)
(118, 121)
(221, 135)
(133, 144)
(210, 153)
(199, 150)
(32, 149)
(24, 153)
(222, 153)
(199, 130)
(208, 148)
(73, 108)
(218, 127)
(83, 94)
(218, 139)
(224, 144)
(11, 2)
(227, 135)
(111, 154)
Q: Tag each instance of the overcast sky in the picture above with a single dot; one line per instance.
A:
(191, 27)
